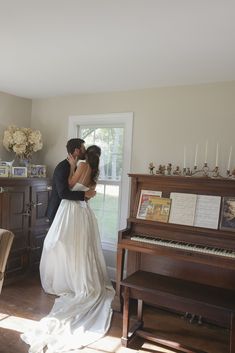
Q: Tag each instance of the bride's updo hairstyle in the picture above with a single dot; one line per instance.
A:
(93, 153)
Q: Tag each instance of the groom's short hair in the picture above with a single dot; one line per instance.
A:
(74, 143)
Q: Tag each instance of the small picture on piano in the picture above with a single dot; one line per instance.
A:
(227, 221)
(152, 207)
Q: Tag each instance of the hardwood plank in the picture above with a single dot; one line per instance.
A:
(26, 299)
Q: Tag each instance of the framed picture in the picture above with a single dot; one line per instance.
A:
(38, 171)
(227, 219)
(4, 171)
(3, 163)
(7, 163)
(19, 172)
(145, 196)
(153, 207)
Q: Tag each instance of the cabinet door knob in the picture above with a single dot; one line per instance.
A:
(49, 187)
(26, 214)
(33, 204)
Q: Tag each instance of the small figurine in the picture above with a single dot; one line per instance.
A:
(177, 171)
(188, 171)
(163, 170)
(151, 167)
(168, 168)
(158, 171)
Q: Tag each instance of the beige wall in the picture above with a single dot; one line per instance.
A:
(165, 119)
(13, 111)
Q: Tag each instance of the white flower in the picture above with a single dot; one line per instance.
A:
(19, 137)
(22, 141)
(19, 149)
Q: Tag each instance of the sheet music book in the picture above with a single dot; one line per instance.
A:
(147, 198)
(207, 211)
(182, 208)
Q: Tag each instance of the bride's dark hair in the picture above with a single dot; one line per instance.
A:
(93, 153)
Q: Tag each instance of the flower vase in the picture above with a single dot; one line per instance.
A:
(25, 162)
(20, 161)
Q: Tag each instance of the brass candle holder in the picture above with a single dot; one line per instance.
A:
(205, 171)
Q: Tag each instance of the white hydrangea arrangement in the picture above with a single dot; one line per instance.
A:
(23, 141)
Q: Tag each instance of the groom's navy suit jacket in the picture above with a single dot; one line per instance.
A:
(60, 189)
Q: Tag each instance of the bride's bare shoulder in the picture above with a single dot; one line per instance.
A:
(82, 165)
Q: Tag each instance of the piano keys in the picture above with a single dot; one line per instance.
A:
(202, 249)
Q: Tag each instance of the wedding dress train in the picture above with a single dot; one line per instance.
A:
(73, 267)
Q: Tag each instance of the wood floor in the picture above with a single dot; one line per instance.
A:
(24, 301)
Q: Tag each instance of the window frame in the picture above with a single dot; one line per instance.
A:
(124, 120)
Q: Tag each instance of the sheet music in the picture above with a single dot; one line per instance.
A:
(182, 208)
(207, 211)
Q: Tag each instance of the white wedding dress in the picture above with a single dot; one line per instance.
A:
(73, 267)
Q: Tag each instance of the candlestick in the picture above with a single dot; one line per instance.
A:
(195, 159)
(217, 155)
(229, 158)
(184, 157)
(206, 152)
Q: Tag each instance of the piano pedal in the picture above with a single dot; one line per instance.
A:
(199, 320)
(186, 316)
(193, 318)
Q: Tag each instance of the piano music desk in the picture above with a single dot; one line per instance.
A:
(174, 294)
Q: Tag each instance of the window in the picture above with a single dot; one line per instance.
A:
(113, 133)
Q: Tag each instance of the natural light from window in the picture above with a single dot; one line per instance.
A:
(106, 204)
(108, 343)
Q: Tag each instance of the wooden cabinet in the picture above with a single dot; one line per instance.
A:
(23, 204)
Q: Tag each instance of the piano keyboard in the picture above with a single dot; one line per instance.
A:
(185, 246)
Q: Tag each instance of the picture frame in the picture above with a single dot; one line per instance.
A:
(145, 195)
(4, 171)
(7, 163)
(19, 172)
(38, 171)
(227, 216)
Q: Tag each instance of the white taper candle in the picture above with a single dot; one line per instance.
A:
(195, 159)
(206, 149)
(229, 157)
(217, 155)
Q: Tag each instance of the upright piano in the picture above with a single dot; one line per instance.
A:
(186, 252)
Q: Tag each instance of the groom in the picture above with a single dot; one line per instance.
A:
(60, 188)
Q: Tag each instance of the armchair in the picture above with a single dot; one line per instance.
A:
(6, 239)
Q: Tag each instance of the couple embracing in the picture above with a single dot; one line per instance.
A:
(72, 264)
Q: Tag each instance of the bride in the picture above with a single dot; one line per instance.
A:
(72, 266)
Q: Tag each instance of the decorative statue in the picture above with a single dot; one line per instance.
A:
(168, 168)
(151, 167)
(162, 169)
(177, 171)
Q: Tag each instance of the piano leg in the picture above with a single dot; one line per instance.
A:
(125, 327)
(117, 302)
(140, 311)
(232, 334)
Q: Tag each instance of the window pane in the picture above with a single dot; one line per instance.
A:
(106, 208)
(111, 142)
(106, 203)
